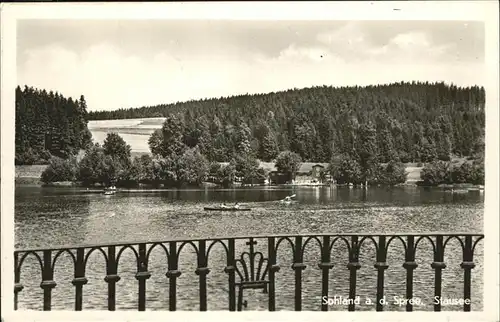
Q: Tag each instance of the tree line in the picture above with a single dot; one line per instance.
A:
(174, 164)
(49, 124)
(440, 172)
(111, 164)
(409, 122)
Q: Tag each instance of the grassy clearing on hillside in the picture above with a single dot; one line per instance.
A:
(153, 121)
(135, 131)
(29, 171)
(128, 123)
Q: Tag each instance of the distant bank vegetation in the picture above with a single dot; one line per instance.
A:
(364, 133)
(176, 165)
(440, 172)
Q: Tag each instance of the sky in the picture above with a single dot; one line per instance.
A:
(133, 63)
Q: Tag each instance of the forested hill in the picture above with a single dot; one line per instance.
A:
(49, 124)
(411, 121)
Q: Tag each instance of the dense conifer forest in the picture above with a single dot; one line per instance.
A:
(407, 122)
(48, 124)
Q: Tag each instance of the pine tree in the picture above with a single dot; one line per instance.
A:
(387, 151)
(269, 147)
(427, 151)
(48, 124)
(366, 148)
(445, 148)
(243, 136)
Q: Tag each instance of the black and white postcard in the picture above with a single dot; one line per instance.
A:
(250, 157)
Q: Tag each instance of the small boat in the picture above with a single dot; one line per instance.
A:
(288, 200)
(108, 191)
(476, 190)
(225, 209)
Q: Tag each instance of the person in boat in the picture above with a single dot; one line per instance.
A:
(236, 205)
(224, 206)
(288, 199)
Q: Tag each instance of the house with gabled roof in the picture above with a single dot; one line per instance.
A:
(308, 173)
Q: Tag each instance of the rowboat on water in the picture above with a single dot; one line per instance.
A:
(109, 191)
(476, 190)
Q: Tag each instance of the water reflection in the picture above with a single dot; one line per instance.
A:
(48, 217)
(42, 216)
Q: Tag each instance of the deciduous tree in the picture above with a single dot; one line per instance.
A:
(288, 163)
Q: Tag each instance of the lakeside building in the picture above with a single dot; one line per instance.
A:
(308, 173)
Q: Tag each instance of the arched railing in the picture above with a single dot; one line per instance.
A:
(250, 269)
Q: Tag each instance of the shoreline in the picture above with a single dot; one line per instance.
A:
(29, 175)
(35, 182)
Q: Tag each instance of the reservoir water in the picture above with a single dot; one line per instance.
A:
(51, 217)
